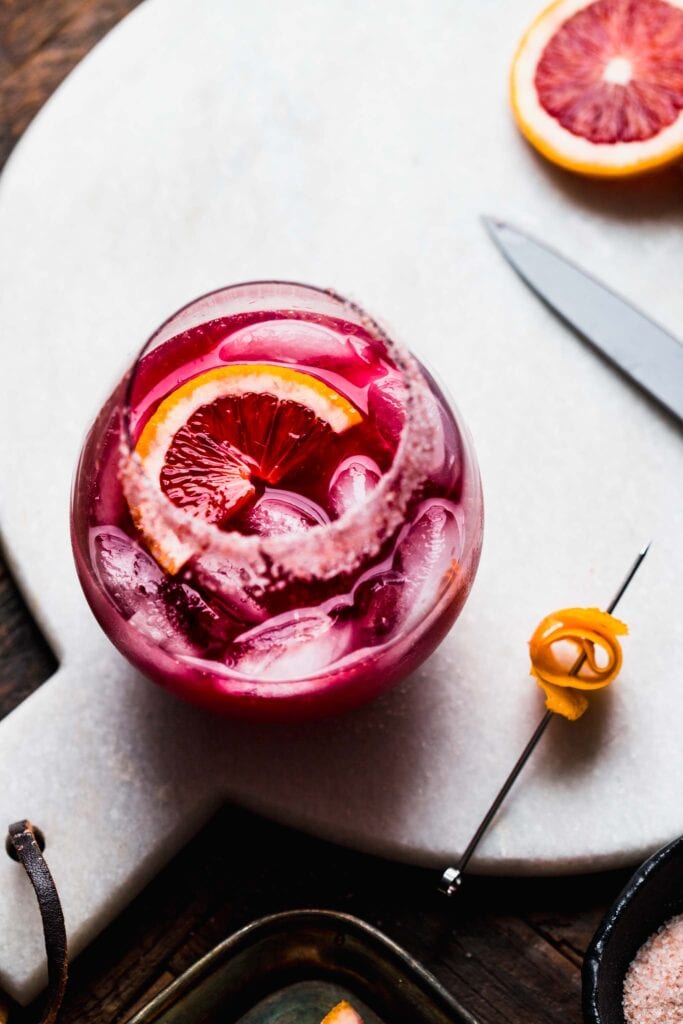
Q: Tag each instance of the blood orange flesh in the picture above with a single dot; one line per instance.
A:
(204, 476)
(597, 85)
(613, 72)
(212, 460)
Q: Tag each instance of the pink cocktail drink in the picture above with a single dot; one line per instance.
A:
(277, 513)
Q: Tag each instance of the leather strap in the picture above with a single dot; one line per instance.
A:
(23, 838)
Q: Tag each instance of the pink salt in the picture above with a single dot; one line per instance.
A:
(653, 988)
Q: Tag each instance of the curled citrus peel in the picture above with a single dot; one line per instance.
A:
(584, 629)
(342, 1013)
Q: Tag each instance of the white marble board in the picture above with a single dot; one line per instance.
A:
(351, 143)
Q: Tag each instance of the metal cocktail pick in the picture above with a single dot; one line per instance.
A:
(451, 879)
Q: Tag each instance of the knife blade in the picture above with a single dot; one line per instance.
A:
(640, 348)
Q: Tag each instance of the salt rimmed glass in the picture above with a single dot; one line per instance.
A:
(281, 625)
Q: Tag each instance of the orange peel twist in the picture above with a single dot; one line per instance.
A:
(342, 1013)
(585, 629)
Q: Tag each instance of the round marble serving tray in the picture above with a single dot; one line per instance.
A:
(351, 144)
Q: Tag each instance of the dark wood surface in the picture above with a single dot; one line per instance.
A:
(510, 950)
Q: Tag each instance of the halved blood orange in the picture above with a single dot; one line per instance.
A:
(597, 85)
(212, 438)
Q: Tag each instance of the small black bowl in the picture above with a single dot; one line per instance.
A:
(652, 896)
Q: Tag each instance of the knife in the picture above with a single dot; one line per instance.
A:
(641, 349)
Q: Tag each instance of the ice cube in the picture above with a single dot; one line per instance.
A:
(222, 578)
(125, 571)
(446, 458)
(152, 620)
(303, 342)
(386, 406)
(205, 624)
(282, 512)
(177, 619)
(291, 646)
(170, 613)
(351, 482)
(427, 553)
(380, 607)
(449, 472)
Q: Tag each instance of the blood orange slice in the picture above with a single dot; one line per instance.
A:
(597, 85)
(212, 438)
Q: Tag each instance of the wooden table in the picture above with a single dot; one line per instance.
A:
(510, 950)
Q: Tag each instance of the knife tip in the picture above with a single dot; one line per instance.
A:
(492, 224)
(495, 229)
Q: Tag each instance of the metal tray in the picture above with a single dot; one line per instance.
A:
(292, 968)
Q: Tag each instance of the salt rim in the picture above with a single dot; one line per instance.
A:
(324, 551)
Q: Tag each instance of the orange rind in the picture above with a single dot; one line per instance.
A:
(559, 640)
(210, 439)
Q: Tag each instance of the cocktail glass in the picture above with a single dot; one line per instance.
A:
(277, 513)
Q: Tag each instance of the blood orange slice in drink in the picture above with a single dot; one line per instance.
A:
(215, 437)
(597, 85)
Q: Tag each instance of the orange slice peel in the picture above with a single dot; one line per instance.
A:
(558, 640)
(238, 379)
(213, 435)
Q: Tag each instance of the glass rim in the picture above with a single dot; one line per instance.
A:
(323, 551)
